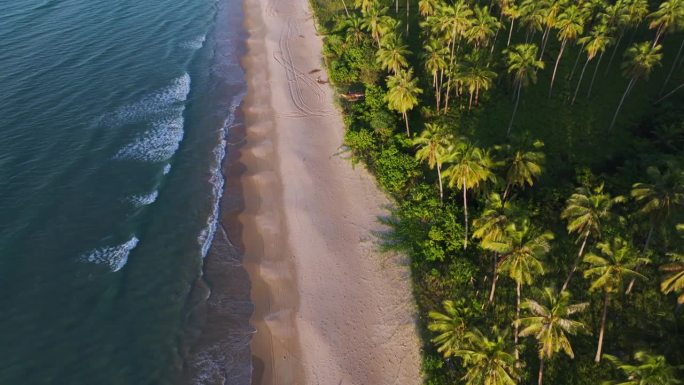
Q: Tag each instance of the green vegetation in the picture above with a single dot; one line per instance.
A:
(534, 149)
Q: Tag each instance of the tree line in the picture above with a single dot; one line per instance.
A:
(470, 214)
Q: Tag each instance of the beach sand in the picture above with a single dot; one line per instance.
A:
(329, 308)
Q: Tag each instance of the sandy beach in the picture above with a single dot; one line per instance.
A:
(330, 308)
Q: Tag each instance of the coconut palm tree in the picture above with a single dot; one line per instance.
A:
(353, 27)
(451, 326)
(476, 76)
(427, 8)
(608, 267)
(487, 360)
(372, 22)
(667, 18)
(521, 249)
(523, 64)
(650, 370)
(482, 27)
(673, 282)
(513, 12)
(436, 63)
(490, 228)
(642, 58)
(659, 198)
(550, 10)
(586, 211)
(433, 147)
(570, 26)
(470, 167)
(531, 17)
(550, 323)
(392, 54)
(366, 5)
(523, 165)
(594, 44)
(402, 93)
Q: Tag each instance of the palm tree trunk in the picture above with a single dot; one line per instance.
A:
(555, 68)
(659, 33)
(517, 317)
(617, 44)
(599, 349)
(510, 33)
(408, 133)
(679, 87)
(407, 17)
(439, 177)
(577, 261)
(674, 65)
(515, 108)
(598, 64)
(545, 39)
(345, 8)
(574, 66)
(579, 82)
(622, 100)
(540, 377)
(495, 278)
(470, 100)
(648, 240)
(465, 212)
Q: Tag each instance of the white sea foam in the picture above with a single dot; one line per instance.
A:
(115, 257)
(206, 236)
(144, 200)
(195, 43)
(154, 104)
(167, 169)
(157, 144)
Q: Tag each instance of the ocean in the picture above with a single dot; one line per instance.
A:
(114, 124)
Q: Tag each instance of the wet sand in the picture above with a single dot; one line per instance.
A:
(329, 308)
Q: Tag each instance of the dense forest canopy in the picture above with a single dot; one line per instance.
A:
(534, 149)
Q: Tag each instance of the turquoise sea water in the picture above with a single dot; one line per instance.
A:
(113, 117)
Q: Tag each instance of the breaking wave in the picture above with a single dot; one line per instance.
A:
(115, 257)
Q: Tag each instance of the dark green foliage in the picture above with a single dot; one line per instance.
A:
(579, 151)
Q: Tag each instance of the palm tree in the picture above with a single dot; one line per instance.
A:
(372, 22)
(392, 54)
(522, 249)
(550, 10)
(660, 197)
(451, 326)
(476, 77)
(512, 12)
(615, 261)
(402, 93)
(523, 65)
(674, 278)
(586, 211)
(668, 17)
(550, 323)
(365, 5)
(532, 17)
(570, 26)
(433, 146)
(353, 27)
(470, 166)
(436, 64)
(427, 7)
(642, 58)
(523, 165)
(649, 370)
(490, 228)
(487, 361)
(482, 28)
(594, 44)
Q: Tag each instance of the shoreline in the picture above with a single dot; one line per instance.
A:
(329, 308)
